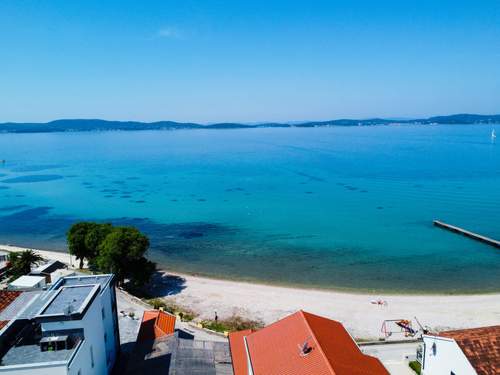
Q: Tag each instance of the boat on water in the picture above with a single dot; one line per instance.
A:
(493, 135)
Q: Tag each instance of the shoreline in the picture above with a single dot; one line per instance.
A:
(356, 311)
(334, 289)
(62, 254)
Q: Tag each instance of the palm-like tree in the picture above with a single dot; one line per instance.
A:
(21, 262)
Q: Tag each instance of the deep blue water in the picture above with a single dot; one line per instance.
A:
(325, 207)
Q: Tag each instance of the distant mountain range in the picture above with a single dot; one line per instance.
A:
(75, 125)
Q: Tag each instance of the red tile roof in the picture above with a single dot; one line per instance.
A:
(481, 346)
(155, 324)
(7, 297)
(239, 351)
(277, 349)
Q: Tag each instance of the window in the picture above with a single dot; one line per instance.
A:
(91, 356)
(105, 337)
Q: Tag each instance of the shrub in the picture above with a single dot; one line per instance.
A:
(415, 366)
(185, 315)
(233, 323)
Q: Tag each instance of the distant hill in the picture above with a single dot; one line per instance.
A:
(77, 125)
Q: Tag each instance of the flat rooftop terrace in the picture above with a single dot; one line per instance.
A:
(69, 299)
(102, 280)
(26, 354)
(28, 349)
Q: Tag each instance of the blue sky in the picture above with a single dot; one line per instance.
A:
(209, 61)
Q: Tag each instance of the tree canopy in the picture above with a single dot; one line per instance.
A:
(84, 239)
(117, 250)
(21, 262)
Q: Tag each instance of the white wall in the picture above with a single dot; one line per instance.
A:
(80, 361)
(109, 326)
(93, 330)
(448, 357)
(35, 369)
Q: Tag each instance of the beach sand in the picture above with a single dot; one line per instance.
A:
(356, 311)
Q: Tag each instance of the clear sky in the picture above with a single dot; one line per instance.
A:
(247, 61)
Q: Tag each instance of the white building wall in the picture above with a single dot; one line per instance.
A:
(110, 324)
(35, 369)
(93, 330)
(80, 363)
(95, 326)
(448, 358)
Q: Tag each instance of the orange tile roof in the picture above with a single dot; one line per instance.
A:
(276, 349)
(239, 351)
(7, 297)
(481, 346)
(155, 324)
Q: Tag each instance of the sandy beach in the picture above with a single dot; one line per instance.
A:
(356, 311)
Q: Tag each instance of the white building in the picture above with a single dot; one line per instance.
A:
(46, 269)
(58, 274)
(27, 282)
(462, 352)
(70, 329)
(4, 260)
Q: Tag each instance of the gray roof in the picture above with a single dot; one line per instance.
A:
(48, 267)
(194, 357)
(19, 355)
(27, 349)
(152, 356)
(175, 356)
(102, 280)
(74, 297)
(35, 305)
(23, 300)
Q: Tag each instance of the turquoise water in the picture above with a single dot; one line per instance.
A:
(325, 207)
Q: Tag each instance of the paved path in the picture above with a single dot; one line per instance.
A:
(393, 356)
(130, 326)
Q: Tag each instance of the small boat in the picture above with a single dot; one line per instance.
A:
(493, 135)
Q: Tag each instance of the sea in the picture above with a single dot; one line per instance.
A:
(346, 208)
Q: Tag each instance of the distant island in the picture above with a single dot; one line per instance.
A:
(78, 125)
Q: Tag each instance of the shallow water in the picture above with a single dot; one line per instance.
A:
(325, 207)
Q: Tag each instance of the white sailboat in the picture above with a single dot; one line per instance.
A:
(493, 135)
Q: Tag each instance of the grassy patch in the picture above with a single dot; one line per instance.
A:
(415, 366)
(186, 315)
(234, 323)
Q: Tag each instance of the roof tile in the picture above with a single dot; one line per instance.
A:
(481, 346)
(239, 351)
(155, 324)
(278, 349)
(6, 298)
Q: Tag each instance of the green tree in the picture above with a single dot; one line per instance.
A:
(21, 262)
(122, 253)
(76, 241)
(96, 234)
(84, 239)
(141, 272)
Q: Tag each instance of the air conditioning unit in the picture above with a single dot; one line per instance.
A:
(54, 343)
